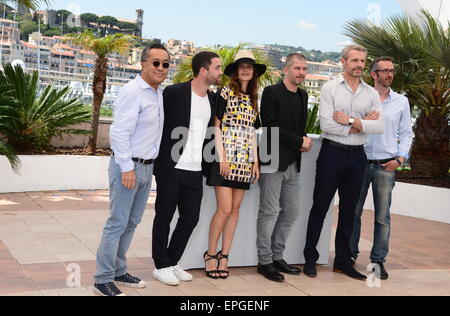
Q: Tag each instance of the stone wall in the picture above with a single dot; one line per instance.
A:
(72, 140)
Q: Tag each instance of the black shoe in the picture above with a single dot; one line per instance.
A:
(282, 266)
(130, 281)
(384, 275)
(310, 270)
(353, 260)
(213, 274)
(270, 272)
(108, 289)
(223, 274)
(349, 271)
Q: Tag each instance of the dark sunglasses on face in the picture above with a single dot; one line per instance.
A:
(156, 64)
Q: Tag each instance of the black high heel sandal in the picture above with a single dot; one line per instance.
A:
(220, 256)
(210, 274)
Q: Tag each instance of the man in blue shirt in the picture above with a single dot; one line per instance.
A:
(385, 152)
(135, 140)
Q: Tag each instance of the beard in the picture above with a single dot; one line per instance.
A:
(211, 81)
(385, 83)
(297, 81)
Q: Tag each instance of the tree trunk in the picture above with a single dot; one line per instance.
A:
(98, 89)
(430, 155)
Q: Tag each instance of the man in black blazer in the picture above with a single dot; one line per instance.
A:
(188, 110)
(284, 110)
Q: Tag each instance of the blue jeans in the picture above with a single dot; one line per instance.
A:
(383, 183)
(127, 209)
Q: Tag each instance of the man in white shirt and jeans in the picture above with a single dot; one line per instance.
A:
(386, 153)
(135, 140)
(349, 111)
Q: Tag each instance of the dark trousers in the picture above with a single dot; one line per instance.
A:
(182, 189)
(342, 170)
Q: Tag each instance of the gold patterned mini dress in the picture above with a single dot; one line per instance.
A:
(239, 120)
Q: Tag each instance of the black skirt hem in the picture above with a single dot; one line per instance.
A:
(214, 179)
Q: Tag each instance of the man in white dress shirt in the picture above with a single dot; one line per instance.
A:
(349, 111)
(135, 140)
(386, 153)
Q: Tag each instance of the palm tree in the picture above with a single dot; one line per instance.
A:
(421, 51)
(227, 55)
(30, 122)
(102, 47)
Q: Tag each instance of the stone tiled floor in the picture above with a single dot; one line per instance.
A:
(43, 233)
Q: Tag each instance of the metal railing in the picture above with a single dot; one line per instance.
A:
(67, 76)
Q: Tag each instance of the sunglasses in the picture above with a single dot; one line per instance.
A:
(386, 71)
(156, 64)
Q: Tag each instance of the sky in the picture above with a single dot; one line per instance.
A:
(310, 24)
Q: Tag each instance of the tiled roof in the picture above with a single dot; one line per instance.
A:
(316, 77)
(63, 53)
(86, 52)
(29, 45)
(63, 46)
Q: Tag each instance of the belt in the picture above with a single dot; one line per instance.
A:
(346, 147)
(380, 162)
(142, 161)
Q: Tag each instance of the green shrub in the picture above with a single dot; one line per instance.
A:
(31, 121)
(312, 123)
(6, 109)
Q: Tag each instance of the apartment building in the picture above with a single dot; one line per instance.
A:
(274, 55)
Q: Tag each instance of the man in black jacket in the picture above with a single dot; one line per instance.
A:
(284, 110)
(188, 110)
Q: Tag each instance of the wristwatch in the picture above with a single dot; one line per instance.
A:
(399, 161)
(351, 121)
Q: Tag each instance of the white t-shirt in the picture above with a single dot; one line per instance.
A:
(191, 159)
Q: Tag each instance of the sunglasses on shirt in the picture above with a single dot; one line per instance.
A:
(156, 64)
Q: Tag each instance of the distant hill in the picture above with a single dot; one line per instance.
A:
(312, 55)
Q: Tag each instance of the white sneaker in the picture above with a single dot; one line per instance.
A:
(181, 274)
(166, 276)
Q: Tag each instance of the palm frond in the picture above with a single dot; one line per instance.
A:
(102, 46)
(31, 4)
(11, 155)
(437, 39)
(312, 121)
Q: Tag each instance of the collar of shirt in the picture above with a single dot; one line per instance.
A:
(392, 96)
(363, 84)
(144, 85)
